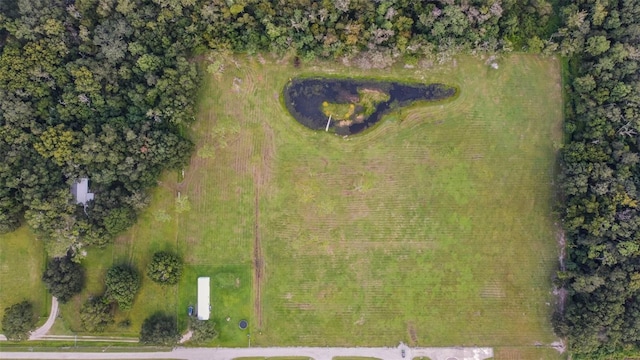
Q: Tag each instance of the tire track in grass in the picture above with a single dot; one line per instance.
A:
(258, 263)
(261, 176)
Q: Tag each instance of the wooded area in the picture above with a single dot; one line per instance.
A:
(600, 178)
(89, 89)
(103, 89)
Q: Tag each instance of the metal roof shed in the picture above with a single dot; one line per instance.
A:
(80, 191)
(203, 298)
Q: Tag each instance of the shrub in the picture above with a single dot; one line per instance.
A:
(203, 331)
(96, 314)
(165, 268)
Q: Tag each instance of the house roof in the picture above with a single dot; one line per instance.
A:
(80, 191)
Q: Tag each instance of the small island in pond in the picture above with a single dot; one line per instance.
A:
(350, 106)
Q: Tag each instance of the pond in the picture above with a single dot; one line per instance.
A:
(348, 107)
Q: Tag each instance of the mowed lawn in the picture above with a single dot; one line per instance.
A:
(435, 228)
(22, 263)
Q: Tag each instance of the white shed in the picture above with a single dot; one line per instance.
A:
(80, 191)
(203, 298)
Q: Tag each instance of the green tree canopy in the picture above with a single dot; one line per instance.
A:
(122, 283)
(165, 268)
(159, 329)
(96, 314)
(599, 180)
(63, 278)
(18, 321)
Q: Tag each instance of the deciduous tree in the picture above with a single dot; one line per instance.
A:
(159, 329)
(18, 321)
(96, 314)
(63, 278)
(122, 282)
(165, 268)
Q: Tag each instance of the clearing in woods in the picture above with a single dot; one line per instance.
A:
(434, 228)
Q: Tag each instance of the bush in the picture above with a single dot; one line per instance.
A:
(122, 283)
(124, 324)
(119, 220)
(63, 278)
(203, 331)
(18, 321)
(165, 268)
(96, 314)
(159, 329)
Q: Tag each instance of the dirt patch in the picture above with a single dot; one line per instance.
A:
(192, 240)
(186, 337)
(562, 244)
(559, 346)
(411, 329)
(561, 293)
(561, 298)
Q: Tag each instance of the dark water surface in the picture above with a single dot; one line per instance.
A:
(304, 98)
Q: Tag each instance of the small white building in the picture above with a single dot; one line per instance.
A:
(80, 191)
(203, 298)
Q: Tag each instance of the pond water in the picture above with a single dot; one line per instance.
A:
(360, 103)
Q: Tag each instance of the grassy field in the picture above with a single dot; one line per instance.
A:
(435, 228)
(22, 262)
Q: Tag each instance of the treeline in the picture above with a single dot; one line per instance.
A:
(600, 178)
(332, 28)
(102, 88)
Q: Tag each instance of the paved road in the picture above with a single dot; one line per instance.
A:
(317, 353)
(44, 329)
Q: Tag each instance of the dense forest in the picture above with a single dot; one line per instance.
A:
(600, 178)
(104, 89)
(90, 89)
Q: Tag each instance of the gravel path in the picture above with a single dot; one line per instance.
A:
(44, 329)
(317, 353)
